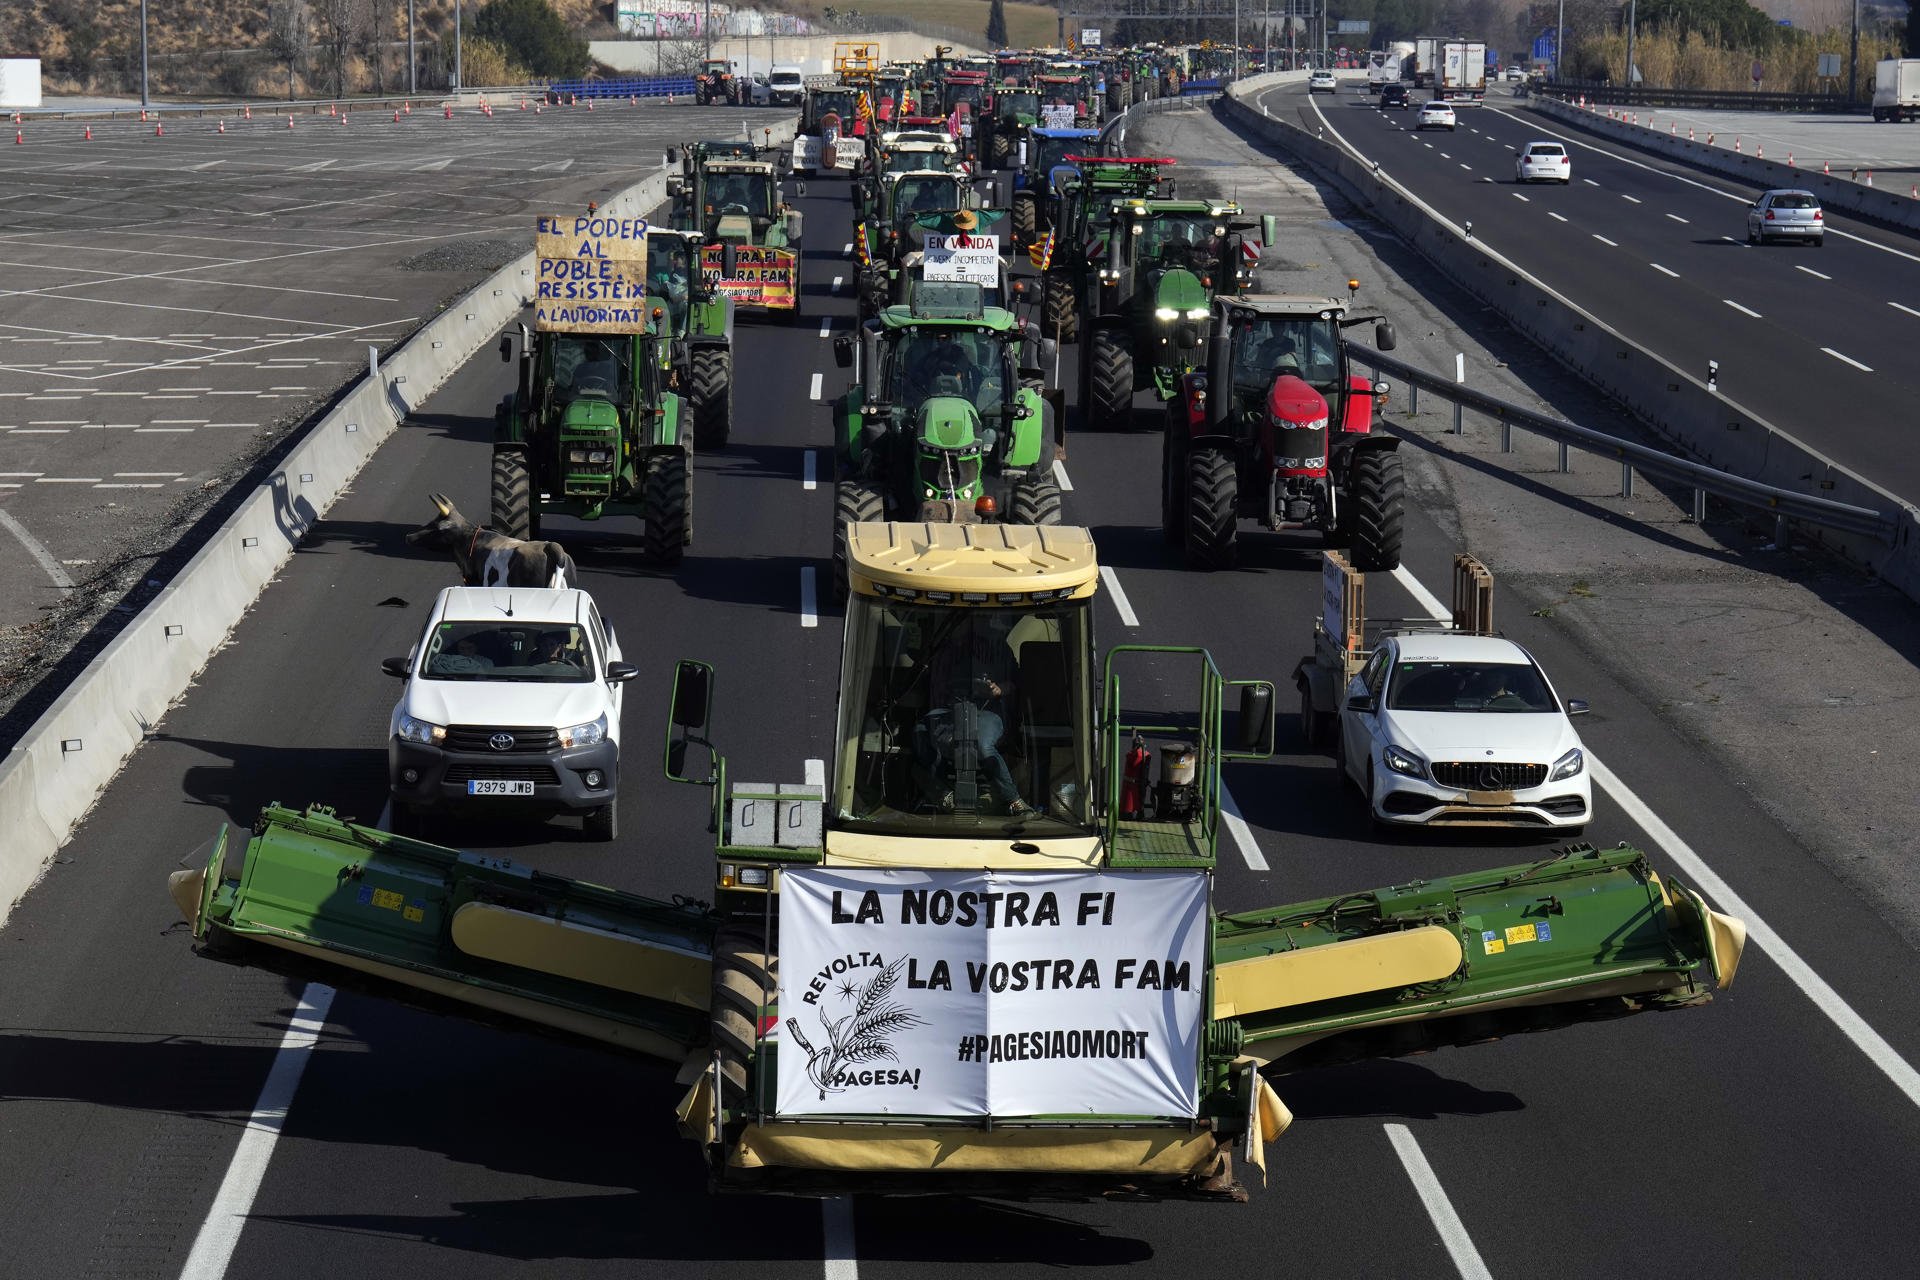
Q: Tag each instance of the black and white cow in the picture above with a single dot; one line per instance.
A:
(489, 559)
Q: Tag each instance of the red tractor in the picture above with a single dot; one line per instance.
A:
(718, 83)
(1278, 429)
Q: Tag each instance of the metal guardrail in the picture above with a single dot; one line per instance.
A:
(1782, 504)
(262, 106)
(1709, 99)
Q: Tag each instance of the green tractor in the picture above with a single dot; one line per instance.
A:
(945, 421)
(728, 195)
(1082, 207)
(1144, 310)
(1013, 111)
(699, 325)
(890, 230)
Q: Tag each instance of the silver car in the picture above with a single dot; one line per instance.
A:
(1786, 215)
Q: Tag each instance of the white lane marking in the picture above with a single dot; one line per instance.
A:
(1663, 271)
(837, 281)
(1467, 167)
(1453, 1233)
(1556, 217)
(1810, 271)
(1677, 218)
(826, 326)
(816, 773)
(1749, 311)
(846, 250)
(1603, 240)
(1523, 199)
(1242, 833)
(808, 477)
(1120, 602)
(213, 1246)
(1060, 476)
(1901, 307)
(809, 611)
(836, 1235)
(1635, 199)
(1590, 182)
(1847, 360)
(814, 392)
(1759, 932)
(1445, 156)
(41, 556)
(433, 166)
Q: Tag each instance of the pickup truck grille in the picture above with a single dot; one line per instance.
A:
(541, 775)
(1469, 775)
(478, 737)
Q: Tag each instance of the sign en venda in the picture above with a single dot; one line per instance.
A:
(963, 257)
(975, 993)
(591, 275)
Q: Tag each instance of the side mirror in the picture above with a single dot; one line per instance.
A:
(795, 226)
(729, 261)
(1360, 702)
(1384, 339)
(1256, 718)
(1269, 230)
(676, 187)
(395, 667)
(1577, 706)
(621, 672)
(506, 350)
(843, 351)
(692, 690)
(673, 155)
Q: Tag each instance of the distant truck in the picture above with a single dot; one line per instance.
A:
(1418, 70)
(1462, 72)
(1384, 65)
(1896, 89)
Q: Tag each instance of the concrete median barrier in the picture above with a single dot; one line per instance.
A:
(1676, 403)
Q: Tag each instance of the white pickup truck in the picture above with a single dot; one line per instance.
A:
(512, 704)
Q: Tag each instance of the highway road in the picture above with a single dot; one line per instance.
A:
(1820, 343)
(1750, 1136)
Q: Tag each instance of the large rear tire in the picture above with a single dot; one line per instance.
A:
(1378, 497)
(712, 394)
(1057, 314)
(668, 526)
(853, 503)
(1109, 403)
(514, 511)
(1035, 500)
(1026, 218)
(1213, 509)
(998, 149)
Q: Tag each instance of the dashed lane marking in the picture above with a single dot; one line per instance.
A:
(1121, 604)
(809, 608)
(814, 392)
(808, 467)
(1663, 271)
(1453, 1232)
(1745, 311)
(1846, 359)
(1810, 271)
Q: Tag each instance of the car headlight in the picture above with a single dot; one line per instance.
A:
(1165, 313)
(421, 731)
(1568, 765)
(590, 734)
(1404, 762)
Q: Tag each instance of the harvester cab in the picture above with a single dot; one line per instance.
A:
(1279, 429)
(946, 420)
(1041, 166)
(1144, 309)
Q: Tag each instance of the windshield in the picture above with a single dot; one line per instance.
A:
(923, 195)
(961, 721)
(1264, 347)
(1054, 151)
(904, 161)
(736, 193)
(947, 360)
(839, 103)
(589, 368)
(1182, 239)
(670, 275)
(1018, 104)
(959, 93)
(539, 653)
(1469, 686)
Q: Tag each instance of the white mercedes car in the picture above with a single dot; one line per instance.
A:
(1463, 730)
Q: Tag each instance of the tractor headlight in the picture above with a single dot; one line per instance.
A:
(754, 876)
(1568, 765)
(1167, 313)
(421, 731)
(590, 734)
(595, 456)
(1404, 762)
(1313, 464)
(1197, 313)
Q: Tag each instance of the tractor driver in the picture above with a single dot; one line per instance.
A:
(937, 365)
(595, 370)
(972, 684)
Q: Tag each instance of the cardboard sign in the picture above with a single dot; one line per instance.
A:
(975, 993)
(591, 275)
(764, 277)
(1057, 117)
(972, 258)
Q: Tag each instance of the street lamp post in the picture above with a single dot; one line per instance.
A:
(413, 63)
(1633, 21)
(456, 44)
(1853, 56)
(143, 52)
(1236, 39)
(1559, 39)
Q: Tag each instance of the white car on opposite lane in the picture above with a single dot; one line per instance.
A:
(1445, 728)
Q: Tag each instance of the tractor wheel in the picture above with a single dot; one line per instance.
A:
(745, 978)
(1057, 314)
(998, 150)
(853, 503)
(712, 398)
(1377, 497)
(514, 511)
(1109, 403)
(1316, 726)
(667, 515)
(601, 824)
(1213, 508)
(1026, 217)
(1034, 500)
(1173, 481)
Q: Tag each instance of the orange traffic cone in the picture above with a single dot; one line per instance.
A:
(222, 128)
(289, 119)
(247, 112)
(449, 114)
(409, 108)
(160, 130)
(19, 138)
(343, 117)
(1826, 168)
(89, 134)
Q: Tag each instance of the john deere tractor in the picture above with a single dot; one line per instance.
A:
(890, 231)
(1144, 306)
(730, 197)
(945, 421)
(1084, 203)
(699, 326)
(1004, 123)
(985, 956)
(1278, 429)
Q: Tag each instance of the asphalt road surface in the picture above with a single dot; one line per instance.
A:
(1750, 1136)
(1818, 342)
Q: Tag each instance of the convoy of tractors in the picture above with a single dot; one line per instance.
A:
(982, 953)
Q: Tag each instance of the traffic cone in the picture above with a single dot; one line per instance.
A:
(1736, 146)
(289, 119)
(1760, 151)
(331, 111)
(222, 127)
(409, 107)
(247, 112)
(523, 104)
(1689, 133)
(396, 117)
(1790, 163)
(89, 134)
(589, 105)
(19, 138)
(159, 130)
(343, 117)
(449, 114)
(1826, 168)
(143, 115)
(1869, 177)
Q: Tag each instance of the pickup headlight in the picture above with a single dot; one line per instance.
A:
(590, 734)
(1568, 765)
(412, 730)
(1404, 762)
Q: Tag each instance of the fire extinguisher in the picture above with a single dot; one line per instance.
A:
(1133, 779)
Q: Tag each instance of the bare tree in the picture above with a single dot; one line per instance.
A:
(288, 36)
(376, 39)
(340, 24)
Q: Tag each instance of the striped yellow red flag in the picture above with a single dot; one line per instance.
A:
(866, 109)
(1041, 255)
(860, 245)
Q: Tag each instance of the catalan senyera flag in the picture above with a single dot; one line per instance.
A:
(866, 110)
(861, 253)
(1041, 255)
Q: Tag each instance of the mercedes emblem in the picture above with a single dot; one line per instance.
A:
(1489, 777)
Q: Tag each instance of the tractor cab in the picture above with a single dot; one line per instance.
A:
(587, 367)
(1284, 359)
(742, 200)
(670, 276)
(966, 706)
(923, 192)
